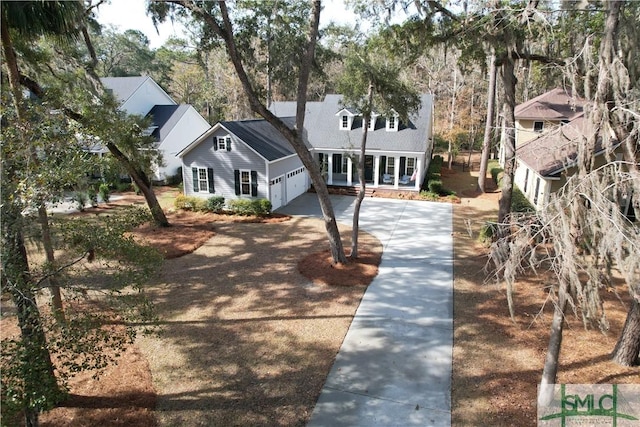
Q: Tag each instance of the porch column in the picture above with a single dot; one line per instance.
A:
(418, 173)
(330, 169)
(396, 172)
(376, 170)
(349, 171)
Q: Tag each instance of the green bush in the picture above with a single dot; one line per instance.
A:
(262, 207)
(487, 232)
(215, 204)
(519, 202)
(92, 195)
(80, 199)
(250, 206)
(123, 186)
(241, 206)
(190, 203)
(436, 187)
(428, 195)
(496, 174)
(104, 192)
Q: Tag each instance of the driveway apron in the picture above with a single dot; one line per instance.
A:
(394, 366)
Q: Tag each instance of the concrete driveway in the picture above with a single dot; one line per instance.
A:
(394, 366)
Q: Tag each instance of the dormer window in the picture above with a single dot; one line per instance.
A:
(372, 121)
(392, 123)
(346, 116)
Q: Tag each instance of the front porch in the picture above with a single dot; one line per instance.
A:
(381, 171)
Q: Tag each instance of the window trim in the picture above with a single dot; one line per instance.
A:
(536, 128)
(242, 183)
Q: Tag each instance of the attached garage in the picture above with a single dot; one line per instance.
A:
(276, 193)
(296, 183)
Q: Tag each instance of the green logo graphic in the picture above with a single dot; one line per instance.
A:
(586, 402)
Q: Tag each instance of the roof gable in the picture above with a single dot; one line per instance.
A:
(164, 119)
(262, 137)
(123, 87)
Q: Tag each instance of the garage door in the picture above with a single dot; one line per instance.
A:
(275, 190)
(296, 184)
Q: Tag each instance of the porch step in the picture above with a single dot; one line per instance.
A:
(350, 190)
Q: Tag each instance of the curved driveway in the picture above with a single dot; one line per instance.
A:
(394, 366)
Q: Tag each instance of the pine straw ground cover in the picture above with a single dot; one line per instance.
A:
(245, 338)
(230, 353)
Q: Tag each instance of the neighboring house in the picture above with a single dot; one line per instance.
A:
(173, 126)
(243, 159)
(548, 131)
(252, 159)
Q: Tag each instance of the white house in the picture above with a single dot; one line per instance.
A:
(252, 159)
(173, 126)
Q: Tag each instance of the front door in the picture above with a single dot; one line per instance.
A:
(368, 168)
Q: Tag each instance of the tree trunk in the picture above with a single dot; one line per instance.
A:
(550, 370)
(294, 136)
(361, 177)
(627, 349)
(143, 183)
(509, 83)
(491, 102)
(54, 288)
(40, 383)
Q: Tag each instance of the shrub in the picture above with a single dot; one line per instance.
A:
(215, 204)
(519, 202)
(240, 206)
(487, 232)
(260, 207)
(104, 192)
(92, 195)
(123, 186)
(428, 195)
(496, 174)
(436, 187)
(190, 203)
(80, 199)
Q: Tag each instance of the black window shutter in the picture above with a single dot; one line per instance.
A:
(196, 187)
(228, 144)
(212, 188)
(254, 183)
(236, 175)
(215, 144)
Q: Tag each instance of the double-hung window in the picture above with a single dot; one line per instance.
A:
(245, 183)
(391, 165)
(203, 180)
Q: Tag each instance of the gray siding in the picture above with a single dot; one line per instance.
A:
(224, 163)
(281, 167)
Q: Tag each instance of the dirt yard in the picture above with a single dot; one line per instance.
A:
(248, 340)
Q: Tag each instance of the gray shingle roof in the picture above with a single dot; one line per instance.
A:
(165, 117)
(262, 137)
(123, 87)
(323, 132)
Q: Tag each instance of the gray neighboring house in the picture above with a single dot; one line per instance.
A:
(244, 159)
(250, 158)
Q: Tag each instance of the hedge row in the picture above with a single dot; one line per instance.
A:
(433, 181)
(216, 204)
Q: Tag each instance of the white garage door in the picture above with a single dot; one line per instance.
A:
(296, 184)
(275, 186)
